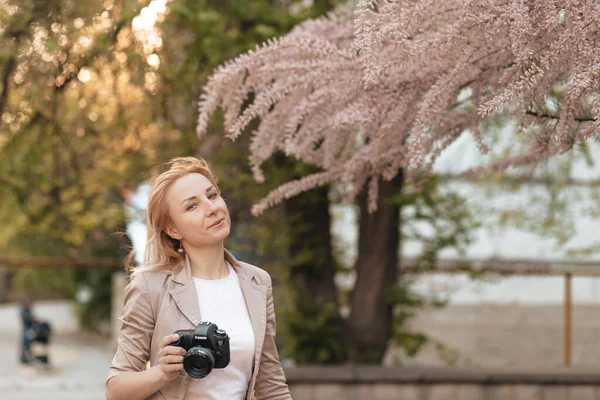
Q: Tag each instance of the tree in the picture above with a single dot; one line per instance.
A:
(373, 97)
(398, 84)
(74, 114)
(512, 57)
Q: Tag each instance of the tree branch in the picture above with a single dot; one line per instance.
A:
(10, 66)
(550, 116)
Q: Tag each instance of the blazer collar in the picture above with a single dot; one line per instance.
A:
(184, 275)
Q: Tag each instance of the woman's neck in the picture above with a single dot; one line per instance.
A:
(208, 262)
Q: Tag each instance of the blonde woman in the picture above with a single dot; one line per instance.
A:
(188, 277)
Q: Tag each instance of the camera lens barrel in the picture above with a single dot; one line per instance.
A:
(198, 362)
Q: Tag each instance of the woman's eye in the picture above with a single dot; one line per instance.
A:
(212, 196)
(190, 206)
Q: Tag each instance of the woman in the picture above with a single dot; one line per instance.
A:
(188, 277)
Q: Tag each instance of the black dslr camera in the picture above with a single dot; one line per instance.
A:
(207, 348)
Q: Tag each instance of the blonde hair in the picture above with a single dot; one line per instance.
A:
(161, 252)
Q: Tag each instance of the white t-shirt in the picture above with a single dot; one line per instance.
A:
(222, 302)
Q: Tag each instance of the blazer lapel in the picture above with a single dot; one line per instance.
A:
(187, 300)
(256, 301)
(255, 295)
(185, 295)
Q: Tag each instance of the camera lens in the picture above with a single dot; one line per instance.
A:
(198, 362)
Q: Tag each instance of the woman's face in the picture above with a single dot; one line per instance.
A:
(199, 215)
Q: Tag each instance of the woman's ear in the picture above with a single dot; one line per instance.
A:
(172, 233)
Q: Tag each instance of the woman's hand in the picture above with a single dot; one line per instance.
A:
(170, 360)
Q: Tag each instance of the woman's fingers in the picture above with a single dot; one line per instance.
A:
(172, 359)
(172, 367)
(178, 351)
(167, 340)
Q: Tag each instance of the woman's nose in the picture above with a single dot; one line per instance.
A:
(212, 208)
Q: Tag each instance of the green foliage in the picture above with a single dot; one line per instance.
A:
(97, 308)
(45, 282)
(71, 138)
(410, 342)
(406, 304)
(72, 150)
(311, 332)
(437, 218)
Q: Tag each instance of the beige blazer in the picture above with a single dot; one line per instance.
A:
(157, 304)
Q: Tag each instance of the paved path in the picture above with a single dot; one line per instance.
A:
(79, 361)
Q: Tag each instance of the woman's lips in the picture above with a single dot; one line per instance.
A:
(217, 224)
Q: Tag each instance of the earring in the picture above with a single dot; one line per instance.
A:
(180, 249)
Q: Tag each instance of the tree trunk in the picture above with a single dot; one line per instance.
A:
(369, 326)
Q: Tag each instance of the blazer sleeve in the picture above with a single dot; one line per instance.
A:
(270, 381)
(137, 326)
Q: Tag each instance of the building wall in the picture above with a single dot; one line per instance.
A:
(506, 335)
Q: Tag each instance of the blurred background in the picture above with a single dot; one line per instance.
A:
(498, 273)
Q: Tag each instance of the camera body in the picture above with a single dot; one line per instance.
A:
(207, 348)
